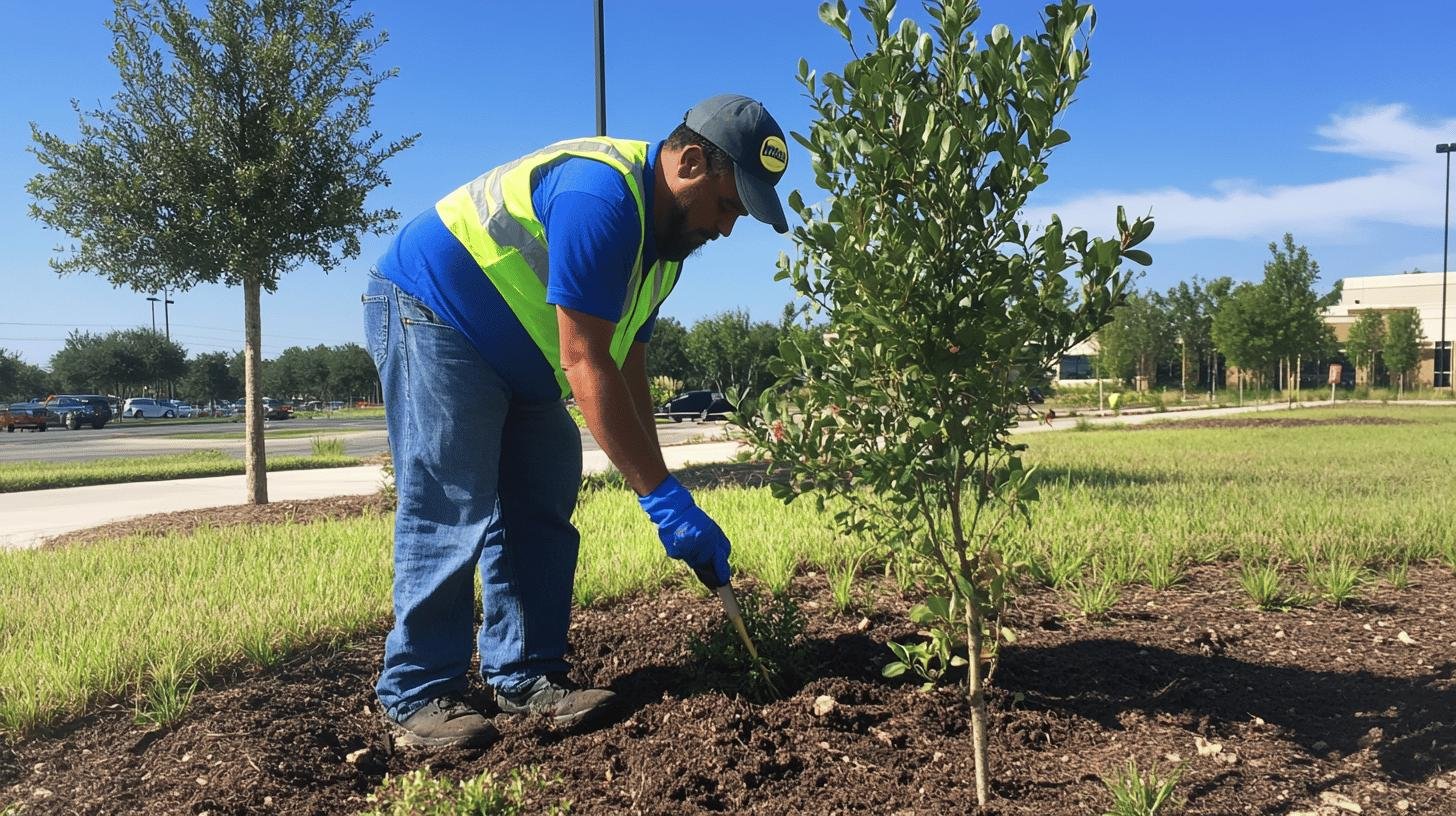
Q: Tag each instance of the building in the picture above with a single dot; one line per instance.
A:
(1384, 293)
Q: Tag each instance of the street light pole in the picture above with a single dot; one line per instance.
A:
(166, 315)
(154, 313)
(601, 74)
(1445, 265)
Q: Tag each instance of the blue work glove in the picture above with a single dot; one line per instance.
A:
(687, 533)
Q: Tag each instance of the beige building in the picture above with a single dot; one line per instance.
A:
(1384, 293)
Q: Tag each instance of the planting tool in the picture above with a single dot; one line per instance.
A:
(730, 605)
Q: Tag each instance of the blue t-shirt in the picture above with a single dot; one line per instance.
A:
(592, 233)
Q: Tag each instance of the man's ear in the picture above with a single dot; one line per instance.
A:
(692, 162)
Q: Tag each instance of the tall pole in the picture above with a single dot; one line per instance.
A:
(166, 315)
(154, 313)
(601, 75)
(1445, 265)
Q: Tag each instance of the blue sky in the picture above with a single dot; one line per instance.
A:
(1232, 122)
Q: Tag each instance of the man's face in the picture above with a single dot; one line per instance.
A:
(702, 209)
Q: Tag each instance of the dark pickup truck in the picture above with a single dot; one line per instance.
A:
(75, 410)
(31, 415)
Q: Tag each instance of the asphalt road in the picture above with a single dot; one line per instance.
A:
(361, 437)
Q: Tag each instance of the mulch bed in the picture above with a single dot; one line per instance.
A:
(1269, 422)
(186, 521)
(1308, 710)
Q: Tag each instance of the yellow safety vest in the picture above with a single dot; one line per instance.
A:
(495, 220)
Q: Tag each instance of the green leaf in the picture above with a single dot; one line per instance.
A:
(1137, 256)
(957, 661)
(894, 669)
(1008, 634)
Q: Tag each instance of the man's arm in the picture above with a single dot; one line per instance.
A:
(635, 372)
(612, 408)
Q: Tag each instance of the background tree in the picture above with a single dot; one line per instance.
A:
(352, 375)
(939, 302)
(1242, 331)
(1299, 329)
(667, 352)
(729, 352)
(1367, 338)
(1137, 338)
(209, 379)
(20, 380)
(123, 362)
(237, 148)
(1402, 347)
(1215, 293)
(1190, 317)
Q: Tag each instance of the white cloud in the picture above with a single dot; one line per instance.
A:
(1407, 190)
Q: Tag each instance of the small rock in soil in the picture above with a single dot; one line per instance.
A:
(864, 625)
(1206, 748)
(823, 704)
(1340, 801)
(355, 756)
(1405, 638)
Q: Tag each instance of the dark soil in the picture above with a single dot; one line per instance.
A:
(1303, 705)
(1270, 422)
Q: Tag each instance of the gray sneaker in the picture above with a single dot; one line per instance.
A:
(557, 698)
(444, 722)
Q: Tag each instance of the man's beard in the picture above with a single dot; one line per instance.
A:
(675, 242)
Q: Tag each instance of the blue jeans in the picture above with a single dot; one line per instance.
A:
(482, 481)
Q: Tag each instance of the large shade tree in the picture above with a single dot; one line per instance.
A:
(237, 148)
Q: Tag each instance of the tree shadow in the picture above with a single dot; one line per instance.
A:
(1097, 476)
(1319, 710)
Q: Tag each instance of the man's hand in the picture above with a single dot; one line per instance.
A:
(687, 533)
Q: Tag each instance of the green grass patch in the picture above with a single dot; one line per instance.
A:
(39, 475)
(81, 625)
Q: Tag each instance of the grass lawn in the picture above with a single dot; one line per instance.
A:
(41, 475)
(84, 625)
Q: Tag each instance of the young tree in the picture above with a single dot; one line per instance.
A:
(1367, 338)
(940, 303)
(237, 148)
(1402, 347)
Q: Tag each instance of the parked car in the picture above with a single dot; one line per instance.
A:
(24, 415)
(276, 409)
(183, 409)
(75, 410)
(696, 405)
(147, 408)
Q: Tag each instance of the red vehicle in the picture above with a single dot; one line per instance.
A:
(31, 415)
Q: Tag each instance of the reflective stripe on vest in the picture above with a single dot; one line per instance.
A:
(494, 218)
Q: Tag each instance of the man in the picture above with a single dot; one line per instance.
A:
(540, 279)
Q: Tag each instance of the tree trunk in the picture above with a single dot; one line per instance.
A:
(254, 462)
(978, 704)
(1183, 370)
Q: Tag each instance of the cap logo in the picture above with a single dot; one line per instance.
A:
(774, 155)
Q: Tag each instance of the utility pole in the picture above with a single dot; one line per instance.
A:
(154, 313)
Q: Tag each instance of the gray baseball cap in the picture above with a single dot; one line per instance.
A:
(743, 129)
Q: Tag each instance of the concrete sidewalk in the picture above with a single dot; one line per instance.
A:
(28, 518)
